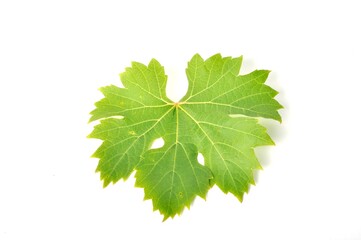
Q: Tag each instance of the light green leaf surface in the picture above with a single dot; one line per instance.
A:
(131, 118)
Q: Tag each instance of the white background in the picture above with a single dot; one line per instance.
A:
(54, 55)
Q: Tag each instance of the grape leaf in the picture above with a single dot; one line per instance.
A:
(203, 121)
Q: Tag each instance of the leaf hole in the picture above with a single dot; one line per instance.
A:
(200, 159)
(158, 143)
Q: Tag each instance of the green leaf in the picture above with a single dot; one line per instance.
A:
(131, 118)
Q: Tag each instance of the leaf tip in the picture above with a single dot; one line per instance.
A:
(136, 64)
(240, 197)
(239, 59)
(217, 55)
(102, 90)
(196, 57)
(106, 183)
(271, 142)
(279, 118)
(103, 178)
(154, 62)
(165, 217)
(91, 119)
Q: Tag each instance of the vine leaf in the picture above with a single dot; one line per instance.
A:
(131, 118)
